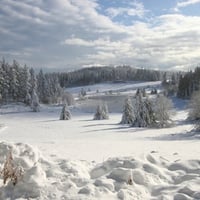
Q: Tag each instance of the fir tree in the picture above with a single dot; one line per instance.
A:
(33, 81)
(24, 85)
(35, 102)
(101, 112)
(65, 113)
(194, 113)
(41, 86)
(105, 112)
(128, 112)
(144, 114)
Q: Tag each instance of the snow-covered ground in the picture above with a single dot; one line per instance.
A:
(86, 159)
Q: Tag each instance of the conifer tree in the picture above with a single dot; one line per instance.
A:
(41, 86)
(101, 112)
(65, 113)
(33, 81)
(128, 112)
(144, 113)
(105, 112)
(35, 102)
(24, 85)
(194, 113)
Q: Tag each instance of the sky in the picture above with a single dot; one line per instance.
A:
(70, 34)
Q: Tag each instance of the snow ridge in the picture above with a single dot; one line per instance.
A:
(152, 177)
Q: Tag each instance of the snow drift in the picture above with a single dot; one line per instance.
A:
(152, 177)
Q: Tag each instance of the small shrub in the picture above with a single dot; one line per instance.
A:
(130, 181)
(10, 171)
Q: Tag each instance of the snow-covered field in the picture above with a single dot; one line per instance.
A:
(86, 159)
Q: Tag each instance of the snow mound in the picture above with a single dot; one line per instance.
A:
(152, 177)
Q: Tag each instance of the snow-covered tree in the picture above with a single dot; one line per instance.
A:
(68, 98)
(48, 88)
(41, 86)
(194, 113)
(105, 111)
(13, 81)
(128, 112)
(65, 113)
(28, 100)
(101, 112)
(24, 85)
(144, 114)
(5, 81)
(163, 109)
(35, 102)
(33, 81)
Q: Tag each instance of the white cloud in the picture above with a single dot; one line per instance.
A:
(78, 42)
(64, 32)
(132, 9)
(187, 3)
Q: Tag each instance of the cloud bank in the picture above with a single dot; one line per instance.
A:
(66, 34)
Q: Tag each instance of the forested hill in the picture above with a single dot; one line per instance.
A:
(93, 75)
(19, 83)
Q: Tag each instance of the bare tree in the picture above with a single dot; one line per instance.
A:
(11, 171)
(163, 109)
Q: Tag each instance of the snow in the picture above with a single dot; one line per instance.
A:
(87, 159)
(126, 88)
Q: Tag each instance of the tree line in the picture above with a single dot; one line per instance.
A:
(92, 75)
(22, 84)
(19, 83)
(189, 83)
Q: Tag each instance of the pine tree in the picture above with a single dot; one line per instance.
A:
(128, 112)
(65, 113)
(5, 87)
(24, 85)
(35, 102)
(41, 86)
(101, 112)
(33, 81)
(194, 113)
(105, 112)
(144, 114)
(14, 81)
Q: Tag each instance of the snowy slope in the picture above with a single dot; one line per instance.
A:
(124, 88)
(153, 177)
(87, 159)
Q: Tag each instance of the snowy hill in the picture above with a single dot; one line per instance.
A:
(86, 159)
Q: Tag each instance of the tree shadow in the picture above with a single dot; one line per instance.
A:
(179, 104)
(189, 135)
(120, 129)
(52, 120)
(92, 125)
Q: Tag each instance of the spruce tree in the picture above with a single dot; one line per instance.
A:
(101, 112)
(65, 113)
(144, 113)
(35, 102)
(128, 112)
(194, 113)
(41, 86)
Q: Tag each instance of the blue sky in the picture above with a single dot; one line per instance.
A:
(67, 34)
